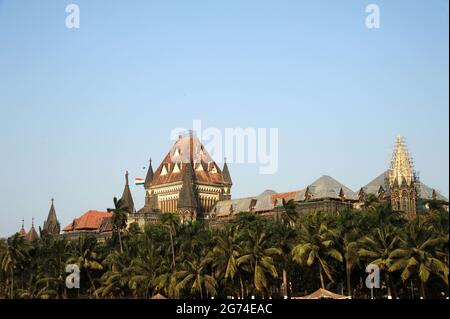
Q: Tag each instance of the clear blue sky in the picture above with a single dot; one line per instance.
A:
(79, 107)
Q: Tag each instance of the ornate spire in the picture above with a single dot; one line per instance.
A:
(126, 195)
(149, 177)
(51, 225)
(226, 173)
(401, 171)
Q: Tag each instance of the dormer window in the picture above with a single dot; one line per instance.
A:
(164, 170)
(199, 167)
(176, 168)
(212, 168)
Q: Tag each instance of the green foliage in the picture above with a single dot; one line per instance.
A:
(291, 254)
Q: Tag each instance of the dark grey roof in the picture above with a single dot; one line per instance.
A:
(188, 196)
(126, 195)
(425, 192)
(149, 177)
(327, 187)
(226, 175)
(373, 186)
(264, 201)
(51, 225)
(233, 206)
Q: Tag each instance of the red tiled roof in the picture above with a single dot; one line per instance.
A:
(32, 235)
(179, 155)
(91, 220)
(285, 196)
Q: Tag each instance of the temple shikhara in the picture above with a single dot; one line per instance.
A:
(190, 183)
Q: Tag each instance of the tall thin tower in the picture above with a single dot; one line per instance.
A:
(402, 180)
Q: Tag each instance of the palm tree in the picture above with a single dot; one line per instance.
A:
(119, 218)
(194, 276)
(284, 235)
(117, 280)
(145, 268)
(86, 257)
(171, 222)
(224, 256)
(377, 248)
(418, 254)
(289, 213)
(51, 256)
(15, 257)
(258, 258)
(317, 242)
(348, 223)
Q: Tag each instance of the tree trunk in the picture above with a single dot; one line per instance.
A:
(242, 287)
(91, 281)
(322, 282)
(349, 281)
(12, 283)
(173, 248)
(284, 285)
(422, 289)
(390, 282)
(120, 242)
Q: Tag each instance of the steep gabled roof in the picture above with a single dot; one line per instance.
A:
(22, 230)
(188, 196)
(32, 234)
(51, 225)
(180, 154)
(226, 174)
(126, 195)
(149, 177)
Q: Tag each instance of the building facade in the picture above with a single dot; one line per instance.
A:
(187, 182)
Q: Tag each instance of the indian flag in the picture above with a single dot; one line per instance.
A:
(139, 181)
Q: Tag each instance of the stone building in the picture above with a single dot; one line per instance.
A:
(187, 182)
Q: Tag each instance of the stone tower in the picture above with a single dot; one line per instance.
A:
(402, 180)
(51, 225)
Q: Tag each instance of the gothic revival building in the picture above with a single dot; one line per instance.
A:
(188, 181)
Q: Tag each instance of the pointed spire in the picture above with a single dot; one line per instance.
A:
(32, 235)
(149, 177)
(51, 225)
(401, 171)
(188, 198)
(126, 195)
(226, 173)
(22, 230)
